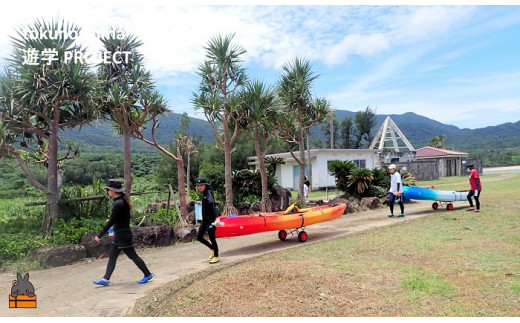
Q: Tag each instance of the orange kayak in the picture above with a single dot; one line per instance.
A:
(231, 226)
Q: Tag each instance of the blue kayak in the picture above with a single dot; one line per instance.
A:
(422, 193)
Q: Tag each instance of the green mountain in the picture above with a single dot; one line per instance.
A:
(420, 130)
(100, 135)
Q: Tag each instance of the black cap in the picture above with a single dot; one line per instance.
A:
(469, 165)
(201, 181)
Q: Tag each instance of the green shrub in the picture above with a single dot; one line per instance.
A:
(247, 185)
(85, 209)
(65, 232)
(158, 218)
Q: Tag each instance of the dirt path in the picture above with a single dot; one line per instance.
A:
(68, 290)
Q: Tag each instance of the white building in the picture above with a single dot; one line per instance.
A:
(288, 174)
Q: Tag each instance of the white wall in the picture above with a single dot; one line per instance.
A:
(319, 162)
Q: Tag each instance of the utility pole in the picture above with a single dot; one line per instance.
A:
(309, 173)
(331, 122)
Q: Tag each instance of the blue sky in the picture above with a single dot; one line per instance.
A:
(459, 65)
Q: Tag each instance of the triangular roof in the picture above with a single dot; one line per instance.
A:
(389, 131)
(432, 152)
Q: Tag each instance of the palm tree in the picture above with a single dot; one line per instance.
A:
(438, 142)
(41, 94)
(300, 111)
(360, 180)
(222, 77)
(408, 179)
(341, 170)
(380, 177)
(260, 105)
(272, 162)
(128, 95)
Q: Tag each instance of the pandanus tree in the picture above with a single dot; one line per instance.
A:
(181, 142)
(259, 124)
(222, 77)
(44, 90)
(127, 95)
(300, 111)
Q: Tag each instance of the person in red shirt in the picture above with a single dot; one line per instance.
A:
(476, 188)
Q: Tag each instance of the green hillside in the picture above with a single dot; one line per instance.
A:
(100, 136)
(420, 130)
(496, 145)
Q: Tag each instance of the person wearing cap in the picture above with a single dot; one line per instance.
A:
(396, 190)
(306, 189)
(476, 187)
(123, 240)
(209, 216)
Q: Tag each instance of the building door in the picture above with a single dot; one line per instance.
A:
(448, 167)
(296, 175)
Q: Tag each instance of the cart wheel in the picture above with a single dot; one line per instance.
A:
(435, 205)
(302, 236)
(282, 235)
(449, 207)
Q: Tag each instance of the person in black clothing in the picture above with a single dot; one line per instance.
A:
(209, 215)
(120, 220)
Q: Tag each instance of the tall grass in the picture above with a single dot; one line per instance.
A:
(20, 224)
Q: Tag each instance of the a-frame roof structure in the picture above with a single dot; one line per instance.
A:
(390, 132)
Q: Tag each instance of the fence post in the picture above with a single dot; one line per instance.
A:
(169, 197)
(181, 221)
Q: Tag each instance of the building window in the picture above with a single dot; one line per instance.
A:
(360, 163)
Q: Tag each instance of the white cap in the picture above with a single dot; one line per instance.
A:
(392, 167)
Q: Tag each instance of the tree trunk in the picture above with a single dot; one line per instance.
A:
(188, 181)
(181, 184)
(265, 202)
(51, 212)
(301, 162)
(309, 173)
(228, 207)
(127, 168)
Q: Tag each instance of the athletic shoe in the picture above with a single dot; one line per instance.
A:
(101, 282)
(470, 209)
(390, 215)
(212, 254)
(214, 260)
(145, 279)
(476, 210)
(400, 215)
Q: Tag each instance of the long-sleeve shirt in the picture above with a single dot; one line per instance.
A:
(209, 209)
(396, 185)
(120, 217)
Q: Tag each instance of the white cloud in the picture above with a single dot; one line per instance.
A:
(363, 45)
(391, 44)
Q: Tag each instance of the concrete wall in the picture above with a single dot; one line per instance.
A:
(421, 170)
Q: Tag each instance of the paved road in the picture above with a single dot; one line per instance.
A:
(68, 290)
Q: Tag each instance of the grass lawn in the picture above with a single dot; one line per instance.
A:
(450, 264)
(318, 194)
